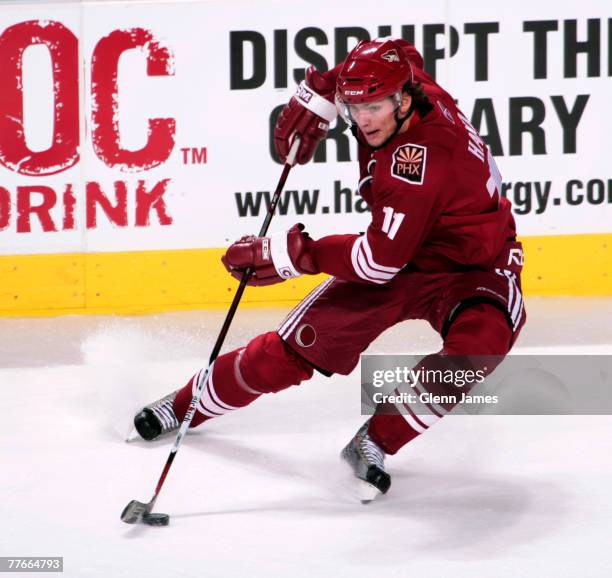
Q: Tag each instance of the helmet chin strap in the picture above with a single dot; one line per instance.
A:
(399, 121)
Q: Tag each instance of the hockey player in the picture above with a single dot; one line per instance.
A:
(441, 246)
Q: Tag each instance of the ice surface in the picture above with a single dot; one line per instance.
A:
(261, 492)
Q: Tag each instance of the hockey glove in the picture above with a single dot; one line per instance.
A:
(274, 258)
(307, 114)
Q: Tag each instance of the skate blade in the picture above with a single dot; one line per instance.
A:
(367, 492)
(132, 436)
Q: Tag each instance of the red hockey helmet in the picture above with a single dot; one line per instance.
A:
(372, 71)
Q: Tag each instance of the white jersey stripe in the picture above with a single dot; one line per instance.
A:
(371, 274)
(215, 397)
(421, 412)
(355, 263)
(207, 412)
(515, 297)
(433, 407)
(413, 423)
(201, 409)
(504, 273)
(210, 404)
(416, 417)
(194, 385)
(373, 264)
(510, 293)
(363, 269)
(294, 317)
(206, 401)
(519, 300)
(518, 317)
(427, 418)
(291, 323)
(296, 310)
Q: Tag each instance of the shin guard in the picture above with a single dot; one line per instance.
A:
(237, 378)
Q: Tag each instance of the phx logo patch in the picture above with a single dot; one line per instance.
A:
(409, 163)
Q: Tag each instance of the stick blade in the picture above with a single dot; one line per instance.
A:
(134, 512)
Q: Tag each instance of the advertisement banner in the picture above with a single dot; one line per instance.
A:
(148, 126)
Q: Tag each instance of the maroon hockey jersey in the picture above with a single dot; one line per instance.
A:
(434, 193)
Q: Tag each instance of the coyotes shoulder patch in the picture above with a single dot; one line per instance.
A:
(409, 163)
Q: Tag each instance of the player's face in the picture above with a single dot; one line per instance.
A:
(376, 120)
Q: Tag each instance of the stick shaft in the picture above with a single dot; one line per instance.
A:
(203, 375)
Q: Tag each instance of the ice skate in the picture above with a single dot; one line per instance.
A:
(367, 461)
(157, 418)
